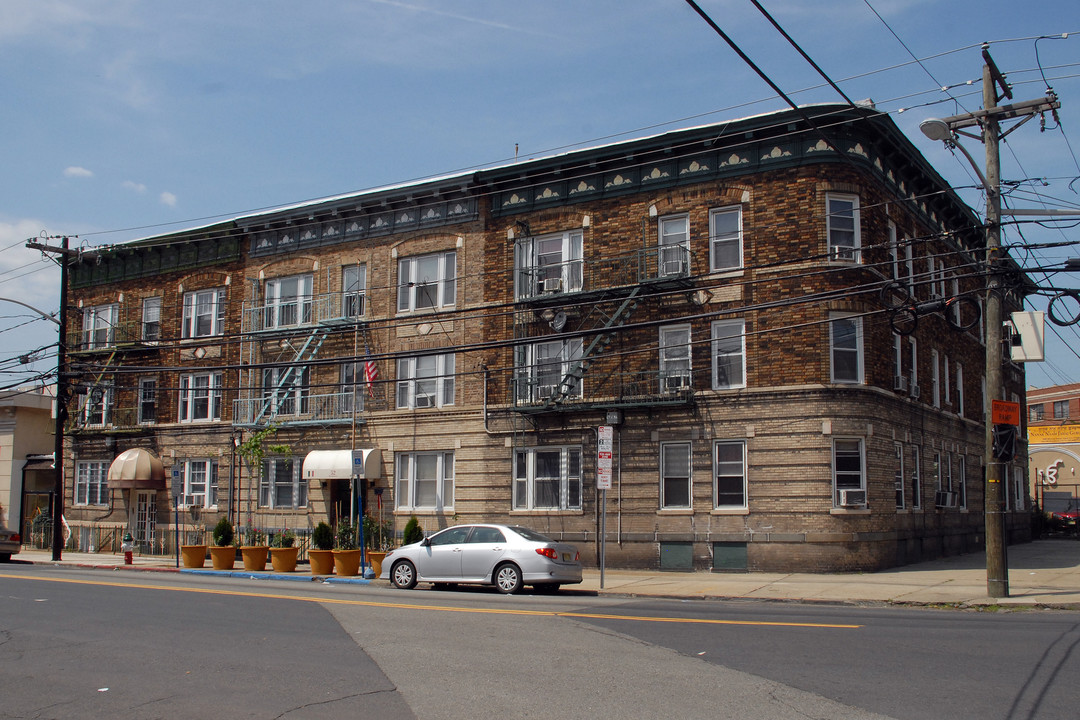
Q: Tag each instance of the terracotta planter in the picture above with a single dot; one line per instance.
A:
(376, 558)
(347, 562)
(283, 560)
(194, 556)
(322, 562)
(222, 558)
(255, 556)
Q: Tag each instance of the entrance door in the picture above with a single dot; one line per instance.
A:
(145, 519)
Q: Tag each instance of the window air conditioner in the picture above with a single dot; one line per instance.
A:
(672, 267)
(945, 499)
(914, 391)
(852, 498)
(546, 391)
(423, 401)
(900, 382)
(676, 383)
(551, 284)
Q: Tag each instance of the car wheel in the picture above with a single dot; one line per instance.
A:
(403, 575)
(5, 557)
(508, 578)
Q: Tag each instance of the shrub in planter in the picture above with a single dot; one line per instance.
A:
(413, 531)
(321, 554)
(222, 554)
(284, 539)
(223, 533)
(322, 537)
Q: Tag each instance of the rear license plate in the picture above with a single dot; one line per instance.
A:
(566, 557)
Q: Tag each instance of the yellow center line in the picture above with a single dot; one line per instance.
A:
(436, 608)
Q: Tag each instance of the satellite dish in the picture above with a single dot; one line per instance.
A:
(559, 321)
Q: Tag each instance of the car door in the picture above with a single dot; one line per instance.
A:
(485, 547)
(441, 559)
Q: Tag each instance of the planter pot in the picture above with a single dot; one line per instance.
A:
(255, 556)
(194, 556)
(283, 560)
(347, 562)
(223, 558)
(376, 558)
(322, 562)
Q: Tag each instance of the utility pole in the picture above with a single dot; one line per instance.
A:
(947, 129)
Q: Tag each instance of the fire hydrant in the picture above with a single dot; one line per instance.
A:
(128, 547)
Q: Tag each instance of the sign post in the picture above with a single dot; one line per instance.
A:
(604, 446)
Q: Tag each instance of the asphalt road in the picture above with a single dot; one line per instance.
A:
(83, 643)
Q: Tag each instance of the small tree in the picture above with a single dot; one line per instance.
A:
(346, 536)
(223, 533)
(322, 537)
(413, 531)
(254, 451)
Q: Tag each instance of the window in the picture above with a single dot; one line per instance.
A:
(894, 250)
(946, 377)
(914, 385)
(916, 478)
(674, 475)
(151, 319)
(549, 264)
(200, 483)
(204, 313)
(547, 478)
(352, 388)
(960, 389)
(961, 487)
(898, 476)
(353, 289)
(843, 227)
(425, 481)
(147, 400)
(97, 406)
(200, 397)
(425, 381)
(1061, 409)
(846, 344)
(939, 470)
(281, 485)
(674, 358)
(99, 326)
(909, 261)
(898, 362)
(543, 368)
(725, 239)
(848, 466)
(674, 242)
(427, 282)
(91, 482)
(288, 301)
(935, 379)
(729, 474)
(729, 354)
(288, 390)
(1036, 413)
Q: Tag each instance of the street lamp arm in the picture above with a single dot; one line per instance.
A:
(42, 313)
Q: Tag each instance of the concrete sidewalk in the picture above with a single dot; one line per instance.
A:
(1044, 573)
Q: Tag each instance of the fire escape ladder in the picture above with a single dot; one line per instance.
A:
(308, 351)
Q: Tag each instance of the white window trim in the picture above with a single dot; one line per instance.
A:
(277, 307)
(689, 480)
(91, 474)
(529, 387)
(714, 266)
(935, 379)
(188, 389)
(405, 481)
(527, 485)
(532, 278)
(858, 350)
(894, 250)
(836, 251)
(268, 485)
(189, 321)
(916, 478)
(291, 399)
(209, 494)
(97, 414)
(741, 324)
(143, 384)
(445, 283)
(673, 250)
(100, 320)
(444, 380)
(716, 475)
(357, 295)
(835, 469)
(151, 306)
(672, 347)
(898, 479)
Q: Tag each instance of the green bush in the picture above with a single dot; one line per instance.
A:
(378, 537)
(413, 531)
(346, 536)
(223, 533)
(283, 539)
(322, 537)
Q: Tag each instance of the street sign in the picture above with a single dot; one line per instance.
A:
(605, 444)
(1005, 413)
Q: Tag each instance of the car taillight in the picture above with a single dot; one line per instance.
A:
(16, 538)
(547, 552)
(577, 556)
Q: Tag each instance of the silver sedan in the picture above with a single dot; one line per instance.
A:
(506, 556)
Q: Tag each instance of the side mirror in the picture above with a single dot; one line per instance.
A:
(425, 543)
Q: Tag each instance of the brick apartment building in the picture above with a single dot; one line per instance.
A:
(724, 297)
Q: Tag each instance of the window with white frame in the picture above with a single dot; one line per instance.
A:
(939, 471)
(288, 301)
(961, 486)
(352, 387)
(97, 405)
(200, 483)
(675, 475)
(1036, 413)
(427, 282)
(846, 343)
(549, 264)
(894, 250)
(204, 313)
(91, 482)
(916, 477)
(200, 397)
(147, 400)
(425, 381)
(543, 369)
(849, 466)
(843, 227)
(909, 261)
(913, 387)
(935, 379)
(1018, 488)
(898, 475)
(729, 474)
(725, 239)
(674, 241)
(900, 381)
(287, 389)
(674, 358)
(547, 478)
(151, 319)
(1061, 409)
(281, 485)
(99, 326)
(425, 481)
(946, 378)
(960, 389)
(353, 290)
(729, 354)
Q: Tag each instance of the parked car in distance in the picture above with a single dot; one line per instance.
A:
(506, 556)
(10, 543)
(1066, 517)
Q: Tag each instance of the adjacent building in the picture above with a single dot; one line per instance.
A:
(1054, 446)
(779, 318)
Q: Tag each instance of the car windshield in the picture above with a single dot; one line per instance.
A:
(531, 535)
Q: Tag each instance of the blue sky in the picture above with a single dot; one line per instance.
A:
(127, 118)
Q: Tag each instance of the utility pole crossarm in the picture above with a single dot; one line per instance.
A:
(1003, 112)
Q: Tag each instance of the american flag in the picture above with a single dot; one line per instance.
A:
(371, 373)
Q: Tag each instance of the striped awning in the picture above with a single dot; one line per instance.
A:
(137, 468)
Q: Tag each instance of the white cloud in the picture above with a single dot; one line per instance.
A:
(167, 198)
(74, 171)
(134, 186)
